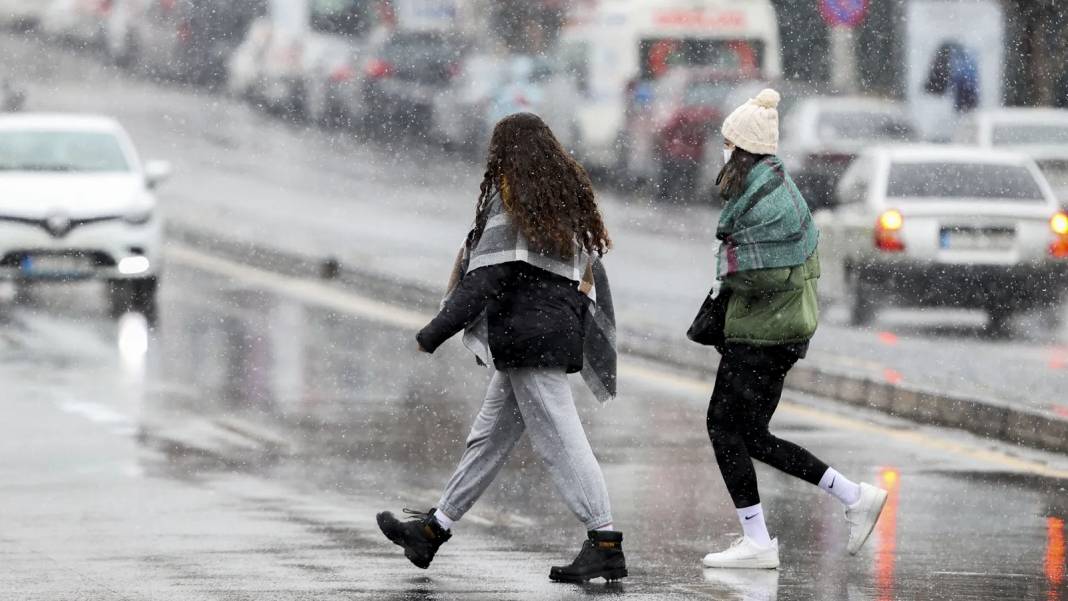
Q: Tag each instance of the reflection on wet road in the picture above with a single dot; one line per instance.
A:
(113, 485)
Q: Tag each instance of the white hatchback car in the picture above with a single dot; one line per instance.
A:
(946, 226)
(77, 203)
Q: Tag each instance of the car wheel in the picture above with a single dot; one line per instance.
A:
(999, 318)
(25, 292)
(861, 308)
(316, 104)
(133, 295)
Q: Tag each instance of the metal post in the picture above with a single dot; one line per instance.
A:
(843, 59)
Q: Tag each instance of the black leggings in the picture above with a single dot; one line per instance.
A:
(748, 386)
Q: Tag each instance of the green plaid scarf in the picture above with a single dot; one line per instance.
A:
(768, 226)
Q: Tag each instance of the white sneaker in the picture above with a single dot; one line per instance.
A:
(745, 553)
(863, 515)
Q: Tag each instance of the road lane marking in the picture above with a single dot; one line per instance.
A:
(345, 301)
(304, 289)
(95, 412)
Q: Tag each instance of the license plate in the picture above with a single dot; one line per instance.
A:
(56, 265)
(977, 238)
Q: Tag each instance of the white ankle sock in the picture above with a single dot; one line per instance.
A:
(445, 521)
(844, 489)
(752, 519)
(608, 528)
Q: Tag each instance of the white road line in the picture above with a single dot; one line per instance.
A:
(95, 412)
(315, 292)
(306, 290)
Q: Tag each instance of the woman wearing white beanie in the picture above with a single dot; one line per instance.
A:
(761, 320)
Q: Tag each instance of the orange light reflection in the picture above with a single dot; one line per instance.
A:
(886, 531)
(1055, 557)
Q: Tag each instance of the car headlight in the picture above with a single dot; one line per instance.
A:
(138, 217)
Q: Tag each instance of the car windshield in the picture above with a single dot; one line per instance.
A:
(223, 19)
(1018, 134)
(962, 181)
(61, 151)
(343, 17)
(863, 125)
(706, 94)
(423, 58)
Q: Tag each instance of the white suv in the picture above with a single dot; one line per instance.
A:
(946, 226)
(77, 203)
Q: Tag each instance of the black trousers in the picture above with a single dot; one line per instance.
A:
(748, 387)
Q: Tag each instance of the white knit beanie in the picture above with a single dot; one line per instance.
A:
(754, 126)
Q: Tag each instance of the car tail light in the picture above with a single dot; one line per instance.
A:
(342, 73)
(379, 69)
(888, 231)
(1059, 225)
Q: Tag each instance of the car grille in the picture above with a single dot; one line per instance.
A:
(59, 228)
(96, 258)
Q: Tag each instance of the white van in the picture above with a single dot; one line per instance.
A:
(611, 46)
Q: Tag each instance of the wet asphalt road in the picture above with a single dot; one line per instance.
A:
(401, 209)
(117, 480)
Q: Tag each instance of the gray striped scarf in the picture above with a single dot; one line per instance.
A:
(502, 242)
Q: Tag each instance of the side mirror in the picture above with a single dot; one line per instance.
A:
(156, 172)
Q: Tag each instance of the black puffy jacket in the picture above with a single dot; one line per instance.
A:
(535, 317)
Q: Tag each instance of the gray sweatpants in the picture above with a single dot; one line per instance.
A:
(539, 401)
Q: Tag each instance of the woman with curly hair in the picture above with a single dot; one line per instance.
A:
(529, 290)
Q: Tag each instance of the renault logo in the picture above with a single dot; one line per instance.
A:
(58, 225)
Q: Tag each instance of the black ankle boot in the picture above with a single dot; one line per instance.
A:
(601, 557)
(421, 535)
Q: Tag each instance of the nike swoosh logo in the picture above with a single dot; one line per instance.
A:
(749, 517)
(832, 482)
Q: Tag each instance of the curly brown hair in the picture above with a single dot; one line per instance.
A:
(543, 188)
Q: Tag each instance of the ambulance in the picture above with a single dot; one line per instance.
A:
(612, 47)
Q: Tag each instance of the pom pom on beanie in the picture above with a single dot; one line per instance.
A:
(768, 98)
(754, 126)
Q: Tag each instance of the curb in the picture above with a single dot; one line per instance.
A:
(985, 417)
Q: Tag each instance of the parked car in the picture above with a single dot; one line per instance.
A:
(21, 14)
(459, 112)
(535, 85)
(304, 58)
(946, 226)
(79, 22)
(822, 136)
(243, 68)
(407, 72)
(668, 125)
(268, 66)
(188, 40)
(335, 43)
(1041, 134)
(76, 202)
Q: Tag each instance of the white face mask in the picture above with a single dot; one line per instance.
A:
(727, 152)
